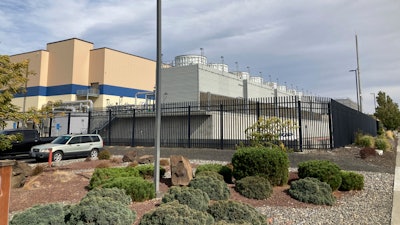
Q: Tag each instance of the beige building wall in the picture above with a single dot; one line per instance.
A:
(96, 67)
(125, 70)
(37, 78)
(38, 65)
(69, 62)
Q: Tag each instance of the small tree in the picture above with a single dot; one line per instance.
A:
(266, 131)
(13, 78)
(41, 116)
(387, 111)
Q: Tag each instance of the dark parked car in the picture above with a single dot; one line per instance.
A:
(30, 137)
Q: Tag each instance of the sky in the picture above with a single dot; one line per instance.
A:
(305, 44)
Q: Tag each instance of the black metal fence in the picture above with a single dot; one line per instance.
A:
(322, 123)
(347, 122)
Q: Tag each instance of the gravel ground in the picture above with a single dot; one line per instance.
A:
(346, 158)
(373, 205)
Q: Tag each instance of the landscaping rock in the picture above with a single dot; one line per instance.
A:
(181, 170)
(129, 156)
(145, 159)
(20, 172)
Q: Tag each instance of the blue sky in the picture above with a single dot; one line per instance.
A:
(307, 44)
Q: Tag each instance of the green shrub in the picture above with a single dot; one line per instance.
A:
(97, 210)
(225, 171)
(101, 175)
(271, 163)
(40, 214)
(351, 181)
(212, 174)
(115, 194)
(254, 187)
(323, 170)
(104, 155)
(364, 141)
(312, 190)
(235, 212)
(147, 171)
(176, 214)
(215, 189)
(192, 197)
(389, 135)
(382, 143)
(138, 188)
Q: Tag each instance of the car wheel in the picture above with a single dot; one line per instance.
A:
(57, 156)
(94, 153)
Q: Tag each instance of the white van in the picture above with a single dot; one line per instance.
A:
(69, 145)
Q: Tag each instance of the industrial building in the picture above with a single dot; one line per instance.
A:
(76, 73)
(191, 78)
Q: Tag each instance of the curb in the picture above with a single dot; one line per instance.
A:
(396, 191)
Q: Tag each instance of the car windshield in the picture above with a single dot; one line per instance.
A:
(61, 139)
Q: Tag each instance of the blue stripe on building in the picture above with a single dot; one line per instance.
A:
(73, 88)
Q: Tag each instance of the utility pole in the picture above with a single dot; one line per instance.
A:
(358, 75)
(158, 103)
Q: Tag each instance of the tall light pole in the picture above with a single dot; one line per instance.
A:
(357, 89)
(358, 75)
(158, 103)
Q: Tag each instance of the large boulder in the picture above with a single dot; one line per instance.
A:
(20, 171)
(181, 170)
(129, 156)
(145, 159)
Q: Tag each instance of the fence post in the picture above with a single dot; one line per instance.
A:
(258, 110)
(88, 126)
(330, 126)
(5, 186)
(300, 129)
(189, 142)
(109, 127)
(69, 124)
(133, 128)
(51, 124)
(221, 113)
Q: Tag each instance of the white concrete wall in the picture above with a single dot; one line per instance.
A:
(180, 84)
(219, 82)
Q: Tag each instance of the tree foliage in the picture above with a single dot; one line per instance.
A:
(39, 116)
(13, 77)
(266, 131)
(387, 111)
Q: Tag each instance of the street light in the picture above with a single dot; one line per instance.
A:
(357, 89)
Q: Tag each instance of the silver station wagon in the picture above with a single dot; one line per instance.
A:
(69, 145)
